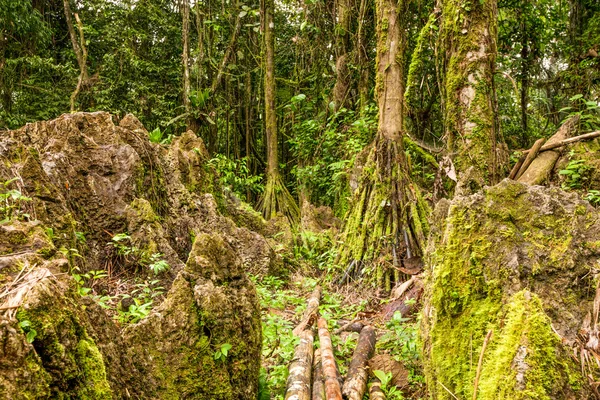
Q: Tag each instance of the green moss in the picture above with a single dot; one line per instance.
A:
(471, 284)
(523, 361)
(95, 386)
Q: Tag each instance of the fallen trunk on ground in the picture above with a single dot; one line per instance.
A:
(375, 392)
(519, 260)
(318, 389)
(298, 382)
(355, 383)
(312, 309)
(330, 372)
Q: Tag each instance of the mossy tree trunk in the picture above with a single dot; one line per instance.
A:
(386, 223)
(276, 198)
(469, 34)
(342, 42)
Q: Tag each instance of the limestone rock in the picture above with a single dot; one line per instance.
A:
(519, 260)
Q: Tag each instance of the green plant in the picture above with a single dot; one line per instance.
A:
(593, 197)
(587, 110)
(12, 202)
(143, 297)
(391, 391)
(30, 333)
(577, 174)
(85, 282)
(157, 264)
(121, 242)
(222, 352)
(235, 175)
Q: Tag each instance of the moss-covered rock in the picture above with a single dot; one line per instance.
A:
(211, 303)
(517, 260)
(89, 179)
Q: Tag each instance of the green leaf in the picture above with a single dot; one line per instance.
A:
(31, 335)
(576, 97)
(382, 376)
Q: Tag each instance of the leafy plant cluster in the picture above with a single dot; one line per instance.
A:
(12, 202)
(133, 255)
(401, 342)
(325, 145)
(235, 175)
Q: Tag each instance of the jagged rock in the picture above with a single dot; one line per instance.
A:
(89, 179)
(521, 261)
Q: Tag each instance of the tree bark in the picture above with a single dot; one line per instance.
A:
(318, 388)
(355, 384)
(330, 374)
(298, 382)
(469, 40)
(185, 57)
(276, 197)
(375, 392)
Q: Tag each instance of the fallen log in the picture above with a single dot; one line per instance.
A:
(310, 315)
(355, 384)
(330, 373)
(298, 382)
(531, 155)
(375, 392)
(541, 167)
(318, 389)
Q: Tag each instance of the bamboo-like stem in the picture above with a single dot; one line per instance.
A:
(355, 384)
(330, 374)
(298, 382)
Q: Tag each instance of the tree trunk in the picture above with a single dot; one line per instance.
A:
(342, 31)
(276, 198)
(387, 218)
(355, 384)
(469, 40)
(298, 382)
(185, 59)
(79, 49)
(330, 374)
(362, 57)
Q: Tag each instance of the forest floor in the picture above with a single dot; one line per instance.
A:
(283, 304)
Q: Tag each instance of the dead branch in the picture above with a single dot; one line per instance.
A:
(310, 315)
(356, 381)
(531, 155)
(541, 167)
(587, 136)
(330, 373)
(350, 326)
(298, 382)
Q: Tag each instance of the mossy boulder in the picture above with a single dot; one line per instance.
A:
(87, 179)
(519, 261)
